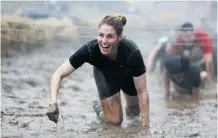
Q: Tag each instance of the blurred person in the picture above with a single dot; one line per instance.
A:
(157, 54)
(206, 26)
(185, 77)
(196, 45)
(117, 65)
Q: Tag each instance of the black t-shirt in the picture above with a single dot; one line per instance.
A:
(191, 78)
(128, 62)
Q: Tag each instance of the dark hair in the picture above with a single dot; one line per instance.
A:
(187, 26)
(117, 22)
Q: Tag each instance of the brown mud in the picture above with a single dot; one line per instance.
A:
(24, 96)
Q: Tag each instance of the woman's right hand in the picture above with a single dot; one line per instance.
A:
(53, 112)
(63, 71)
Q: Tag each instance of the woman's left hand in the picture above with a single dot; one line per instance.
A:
(145, 121)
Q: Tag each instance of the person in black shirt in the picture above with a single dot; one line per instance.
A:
(117, 65)
(185, 77)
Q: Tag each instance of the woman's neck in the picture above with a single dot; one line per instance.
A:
(114, 54)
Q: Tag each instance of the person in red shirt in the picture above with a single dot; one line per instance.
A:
(195, 44)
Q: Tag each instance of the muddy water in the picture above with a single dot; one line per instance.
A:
(24, 93)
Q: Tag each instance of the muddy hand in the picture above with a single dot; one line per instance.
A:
(145, 122)
(53, 112)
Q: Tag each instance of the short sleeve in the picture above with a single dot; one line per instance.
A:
(206, 42)
(81, 56)
(137, 63)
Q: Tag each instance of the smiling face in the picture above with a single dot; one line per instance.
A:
(107, 40)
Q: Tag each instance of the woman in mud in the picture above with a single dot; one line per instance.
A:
(118, 65)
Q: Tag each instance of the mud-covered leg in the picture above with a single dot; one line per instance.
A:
(110, 109)
(132, 105)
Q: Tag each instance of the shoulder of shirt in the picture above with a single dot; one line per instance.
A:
(92, 43)
(129, 44)
(198, 31)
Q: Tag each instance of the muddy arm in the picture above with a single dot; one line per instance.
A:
(209, 65)
(140, 84)
(152, 59)
(166, 84)
(196, 92)
(64, 70)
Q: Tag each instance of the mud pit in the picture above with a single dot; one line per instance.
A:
(25, 81)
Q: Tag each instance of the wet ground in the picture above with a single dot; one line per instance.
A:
(25, 81)
(24, 93)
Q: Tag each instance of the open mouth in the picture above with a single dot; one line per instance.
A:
(104, 46)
